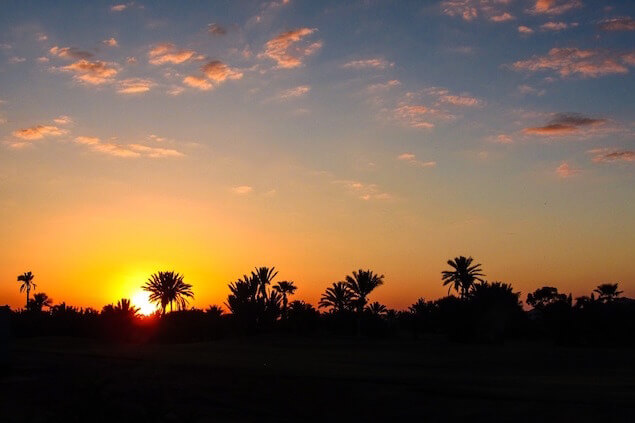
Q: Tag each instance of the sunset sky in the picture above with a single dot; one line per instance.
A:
(318, 137)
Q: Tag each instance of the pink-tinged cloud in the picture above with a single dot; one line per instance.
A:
(504, 139)
(573, 61)
(610, 155)
(288, 49)
(120, 7)
(70, 53)
(111, 42)
(216, 29)
(465, 9)
(374, 63)
(415, 116)
(557, 26)
(38, 132)
(502, 17)
(463, 101)
(366, 192)
(525, 30)
(242, 190)
(618, 24)
(294, 92)
(16, 59)
(126, 150)
(135, 86)
(412, 160)
(383, 86)
(93, 73)
(566, 171)
(218, 72)
(197, 82)
(63, 120)
(565, 124)
(169, 53)
(555, 7)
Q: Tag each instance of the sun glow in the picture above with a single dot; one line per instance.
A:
(140, 299)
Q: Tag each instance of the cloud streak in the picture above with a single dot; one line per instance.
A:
(126, 150)
(412, 160)
(565, 124)
(568, 62)
(609, 155)
(168, 53)
(288, 49)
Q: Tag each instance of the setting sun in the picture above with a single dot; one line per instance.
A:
(140, 299)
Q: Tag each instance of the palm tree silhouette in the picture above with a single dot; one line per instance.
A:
(168, 288)
(125, 307)
(214, 311)
(264, 276)
(462, 276)
(27, 283)
(361, 284)
(607, 291)
(285, 288)
(376, 309)
(39, 301)
(337, 297)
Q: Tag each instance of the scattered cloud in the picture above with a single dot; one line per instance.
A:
(267, 9)
(412, 160)
(135, 86)
(288, 49)
(40, 36)
(16, 59)
(567, 62)
(120, 7)
(216, 29)
(383, 86)
(610, 155)
(111, 42)
(472, 9)
(242, 190)
(43, 59)
(566, 171)
(374, 63)
(197, 82)
(557, 26)
(525, 30)
(294, 92)
(504, 139)
(126, 150)
(38, 132)
(175, 90)
(63, 120)
(565, 124)
(528, 89)
(219, 72)
(415, 116)
(366, 192)
(504, 17)
(94, 73)
(618, 24)
(554, 7)
(70, 53)
(444, 96)
(169, 53)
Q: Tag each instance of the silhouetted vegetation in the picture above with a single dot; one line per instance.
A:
(484, 312)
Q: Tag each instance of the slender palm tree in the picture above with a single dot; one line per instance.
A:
(125, 307)
(463, 275)
(361, 284)
(285, 288)
(337, 297)
(26, 285)
(607, 291)
(264, 276)
(39, 301)
(376, 309)
(168, 288)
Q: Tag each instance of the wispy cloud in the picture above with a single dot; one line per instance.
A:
(216, 29)
(567, 62)
(242, 189)
(93, 73)
(373, 63)
(111, 42)
(16, 59)
(557, 26)
(214, 73)
(135, 86)
(412, 160)
(126, 150)
(554, 7)
(566, 171)
(63, 120)
(415, 115)
(525, 30)
(366, 192)
(472, 9)
(70, 53)
(38, 132)
(197, 82)
(169, 53)
(618, 24)
(504, 17)
(610, 155)
(121, 7)
(294, 92)
(565, 124)
(288, 49)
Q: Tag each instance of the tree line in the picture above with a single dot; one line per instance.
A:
(480, 311)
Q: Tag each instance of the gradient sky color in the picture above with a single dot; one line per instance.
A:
(319, 137)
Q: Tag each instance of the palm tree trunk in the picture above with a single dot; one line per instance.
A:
(27, 296)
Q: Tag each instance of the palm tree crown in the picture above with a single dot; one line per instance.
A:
(168, 288)
(285, 288)
(26, 285)
(361, 284)
(607, 291)
(463, 274)
(39, 301)
(337, 297)
(264, 276)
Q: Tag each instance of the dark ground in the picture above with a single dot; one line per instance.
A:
(281, 379)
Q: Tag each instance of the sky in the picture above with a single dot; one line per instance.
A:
(317, 137)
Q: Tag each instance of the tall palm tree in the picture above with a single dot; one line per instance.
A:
(39, 301)
(26, 285)
(361, 284)
(376, 309)
(285, 288)
(264, 276)
(607, 291)
(168, 288)
(337, 297)
(463, 275)
(125, 307)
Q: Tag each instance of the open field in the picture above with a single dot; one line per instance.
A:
(315, 379)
